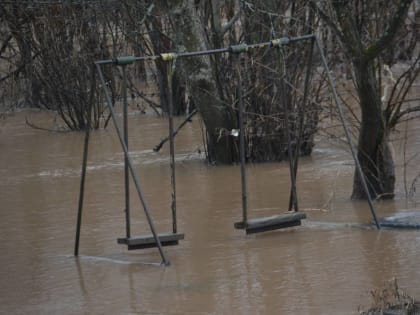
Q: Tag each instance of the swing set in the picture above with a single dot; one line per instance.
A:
(290, 218)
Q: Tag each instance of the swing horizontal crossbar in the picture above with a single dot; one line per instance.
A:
(148, 241)
(124, 60)
(271, 223)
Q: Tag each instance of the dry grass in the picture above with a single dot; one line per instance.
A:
(391, 299)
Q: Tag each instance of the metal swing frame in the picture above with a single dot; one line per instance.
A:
(150, 240)
(154, 239)
(251, 226)
(293, 217)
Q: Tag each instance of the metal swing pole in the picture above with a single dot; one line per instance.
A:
(291, 157)
(237, 50)
(126, 169)
(82, 185)
(242, 145)
(170, 59)
(347, 133)
(136, 181)
(84, 165)
(302, 113)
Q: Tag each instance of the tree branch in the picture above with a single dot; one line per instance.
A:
(407, 111)
(376, 48)
(327, 19)
(18, 69)
(32, 125)
(187, 119)
(226, 27)
(395, 102)
(5, 44)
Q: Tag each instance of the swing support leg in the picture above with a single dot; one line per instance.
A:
(149, 241)
(302, 117)
(242, 145)
(274, 222)
(126, 169)
(82, 190)
(170, 72)
(291, 154)
(136, 181)
(84, 164)
(347, 133)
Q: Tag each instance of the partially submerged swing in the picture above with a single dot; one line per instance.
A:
(293, 216)
(149, 240)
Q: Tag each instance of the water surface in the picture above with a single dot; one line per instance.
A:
(326, 266)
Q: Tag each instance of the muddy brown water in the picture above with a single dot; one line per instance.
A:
(326, 266)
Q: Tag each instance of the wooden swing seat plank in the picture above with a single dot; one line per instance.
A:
(148, 241)
(271, 223)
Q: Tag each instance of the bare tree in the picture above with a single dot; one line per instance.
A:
(368, 31)
(213, 81)
(18, 21)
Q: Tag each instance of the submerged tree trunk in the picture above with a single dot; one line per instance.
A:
(213, 80)
(215, 114)
(368, 31)
(374, 151)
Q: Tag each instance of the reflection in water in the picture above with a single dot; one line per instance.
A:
(327, 266)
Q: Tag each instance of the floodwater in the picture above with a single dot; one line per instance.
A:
(326, 266)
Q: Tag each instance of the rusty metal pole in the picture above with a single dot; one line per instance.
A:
(136, 181)
(236, 50)
(82, 188)
(170, 71)
(242, 151)
(302, 114)
(347, 133)
(290, 152)
(126, 169)
(84, 163)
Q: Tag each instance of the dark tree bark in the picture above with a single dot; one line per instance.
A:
(200, 25)
(374, 151)
(365, 36)
(19, 21)
(216, 115)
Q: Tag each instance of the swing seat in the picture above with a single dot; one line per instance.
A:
(271, 223)
(148, 241)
